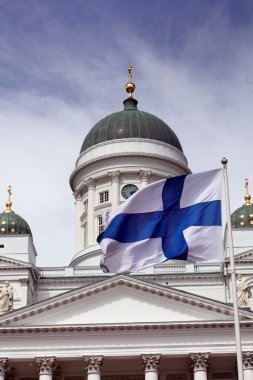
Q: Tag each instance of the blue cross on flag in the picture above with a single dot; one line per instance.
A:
(175, 218)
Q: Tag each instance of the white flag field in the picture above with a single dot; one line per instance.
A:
(175, 218)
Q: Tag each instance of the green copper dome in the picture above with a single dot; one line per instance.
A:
(243, 216)
(130, 123)
(12, 224)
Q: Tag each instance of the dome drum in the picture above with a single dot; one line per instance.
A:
(129, 155)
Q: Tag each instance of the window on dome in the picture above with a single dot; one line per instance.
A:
(104, 196)
(85, 205)
(85, 233)
(100, 224)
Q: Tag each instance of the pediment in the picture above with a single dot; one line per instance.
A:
(121, 299)
(12, 263)
(246, 256)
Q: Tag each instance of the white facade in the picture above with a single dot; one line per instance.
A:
(125, 321)
(171, 321)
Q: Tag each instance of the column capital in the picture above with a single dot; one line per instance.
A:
(77, 195)
(3, 366)
(151, 363)
(93, 364)
(90, 183)
(46, 365)
(115, 176)
(144, 175)
(247, 360)
(199, 362)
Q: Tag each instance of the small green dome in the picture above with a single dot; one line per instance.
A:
(12, 224)
(130, 123)
(243, 217)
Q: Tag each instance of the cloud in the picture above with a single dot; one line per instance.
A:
(40, 139)
(62, 72)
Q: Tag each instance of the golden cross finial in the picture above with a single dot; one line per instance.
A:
(247, 185)
(247, 197)
(129, 73)
(9, 203)
(130, 86)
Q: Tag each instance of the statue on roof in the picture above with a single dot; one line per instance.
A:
(6, 298)
(242, 292)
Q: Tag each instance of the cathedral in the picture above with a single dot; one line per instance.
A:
(173, 321)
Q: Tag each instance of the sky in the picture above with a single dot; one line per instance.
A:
(63, 67)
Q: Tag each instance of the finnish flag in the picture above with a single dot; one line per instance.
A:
(175, 218)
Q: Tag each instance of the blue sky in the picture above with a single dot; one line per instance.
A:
(63, 66)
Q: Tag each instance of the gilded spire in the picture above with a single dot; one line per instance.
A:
(247, 197)
(9, 203)
(130, 86)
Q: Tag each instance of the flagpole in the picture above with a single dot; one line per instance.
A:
(224, 162)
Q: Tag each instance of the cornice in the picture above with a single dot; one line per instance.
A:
(127, 327)
(101, 206)
(127, 140)
(20, 266)
(242, 257)
(127, 154)
(19, 263)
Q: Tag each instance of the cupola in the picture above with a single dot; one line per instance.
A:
(130, 123)
(243, 216)
(10, 222)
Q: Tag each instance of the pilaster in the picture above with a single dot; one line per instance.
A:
(144, 176)
(115, 181)
(91, 185)
(78, 229)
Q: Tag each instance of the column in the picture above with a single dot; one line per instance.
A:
(151, 365)
(247, 365)
(93, 366)
(3, 367)
(78, 230)
(46, 366)
(144, 176)
(199, 364)
(91, 185)
(115, 178)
